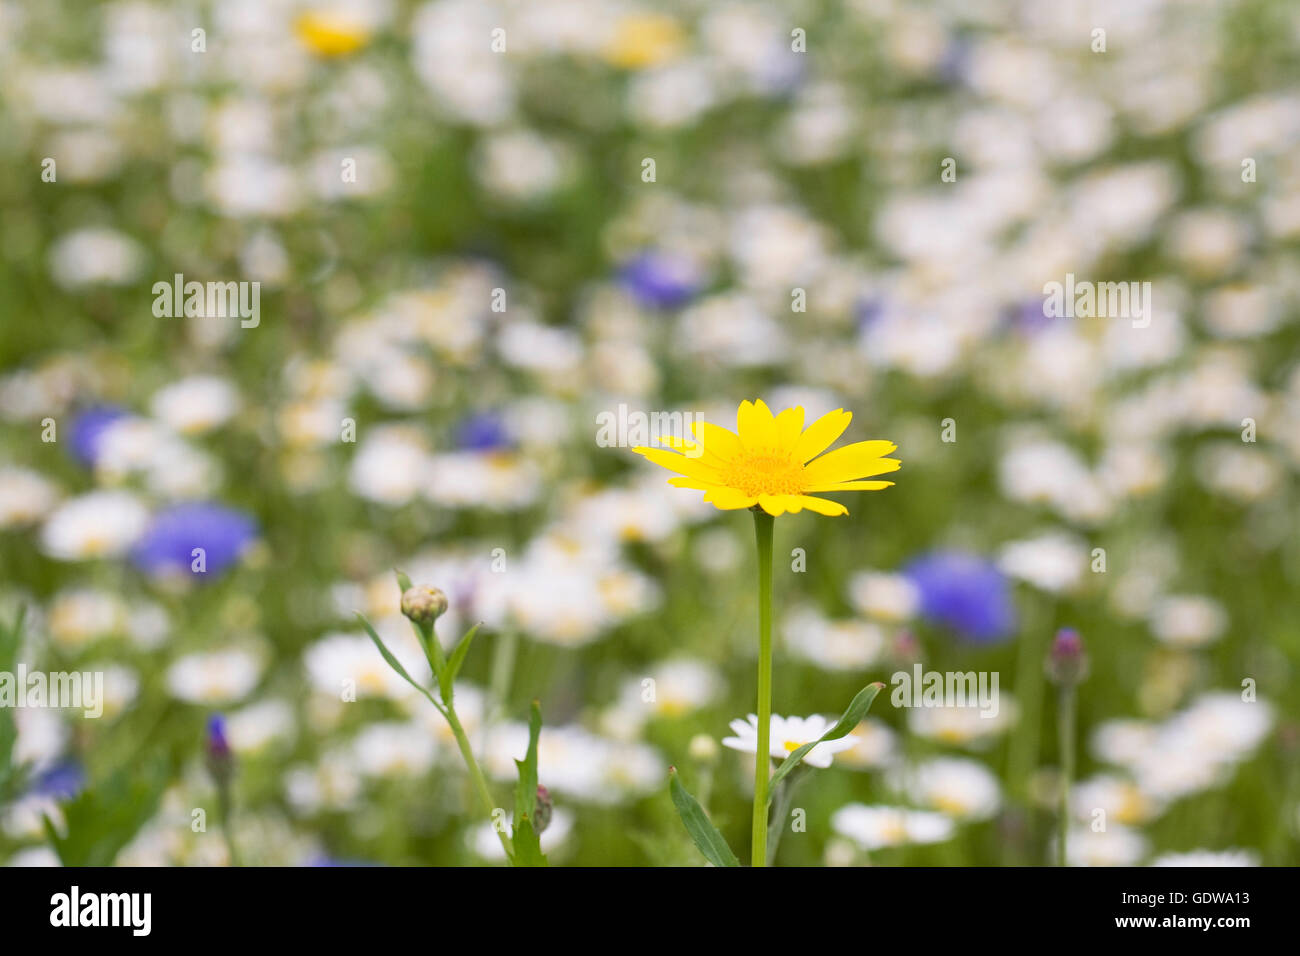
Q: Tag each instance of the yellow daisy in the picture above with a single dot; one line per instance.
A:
(773, 462)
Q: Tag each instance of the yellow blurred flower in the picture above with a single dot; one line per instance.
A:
(773, 462)
(331, 33)
(643, 41)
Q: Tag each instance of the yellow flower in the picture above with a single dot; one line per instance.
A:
(774, 462)
(330, 33)
(643, 41)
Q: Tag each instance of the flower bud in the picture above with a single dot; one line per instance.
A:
(424, 605)
(1066, 662)
(703, 749)
(905, 649)
(216, 751)
(542, 812)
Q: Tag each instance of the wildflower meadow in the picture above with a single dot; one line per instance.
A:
(649, 433)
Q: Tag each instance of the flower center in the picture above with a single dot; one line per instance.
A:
(792, 745)
(764, 472)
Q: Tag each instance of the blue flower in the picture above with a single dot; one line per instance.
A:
(965, 593)
(87, 429)
(867, 310)
(483, 431)
(1029, 316)
(661, 281)
(64, 780)
(218, 746)
(169, 542)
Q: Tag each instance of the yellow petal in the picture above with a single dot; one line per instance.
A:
(859, 460)
(821, 433)
(789, 423)
(823, 506)
(728, 499)
(717, 439)
(691, 448)
(698, 484)
(755, 425)
(853, 486)
(678, 463)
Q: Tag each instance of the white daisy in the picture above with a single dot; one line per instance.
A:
(214, 677)
(95, 525)
(887, 597)
(196, 404)
(394, 749)
(25, 497)
(962, 788)
(874, 827)
(787, 735)
(1117, 845)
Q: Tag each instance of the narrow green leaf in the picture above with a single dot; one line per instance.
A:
(105, 817)
(857, 709)
(393, 662)
(527, 845)
(447, 679)
(403, 581)
(702, 831)
(526, 840)
(11, 776)
(526, 788)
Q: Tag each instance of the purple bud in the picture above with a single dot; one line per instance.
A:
(542, 812)
(906, 647)
(1066, 661)
(217, 753)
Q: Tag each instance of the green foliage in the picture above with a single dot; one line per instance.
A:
(702, 831)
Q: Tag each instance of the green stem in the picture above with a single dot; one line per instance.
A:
(1065, 728)
(476, 775)
(781, 811)
(1023, 753)
(226, 806)
(503, 669)
(762, 759)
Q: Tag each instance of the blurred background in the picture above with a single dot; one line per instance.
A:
(477, 226)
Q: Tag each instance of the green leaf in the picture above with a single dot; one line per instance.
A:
(11, 775)
(104, 818)
(527, 841)
(526, 788)
(403, 581)
(528, 845)
(857, 709)
(704, 834)
(447, 679)
(394, 663)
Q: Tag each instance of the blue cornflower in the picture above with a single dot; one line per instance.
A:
(661, 281)
(965, 593)
(63, 780)
(87, 429)
(218, 746)
(483, 431)
(169, 543)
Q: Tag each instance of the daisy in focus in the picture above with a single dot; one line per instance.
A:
(773, 462)
(788, 735)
